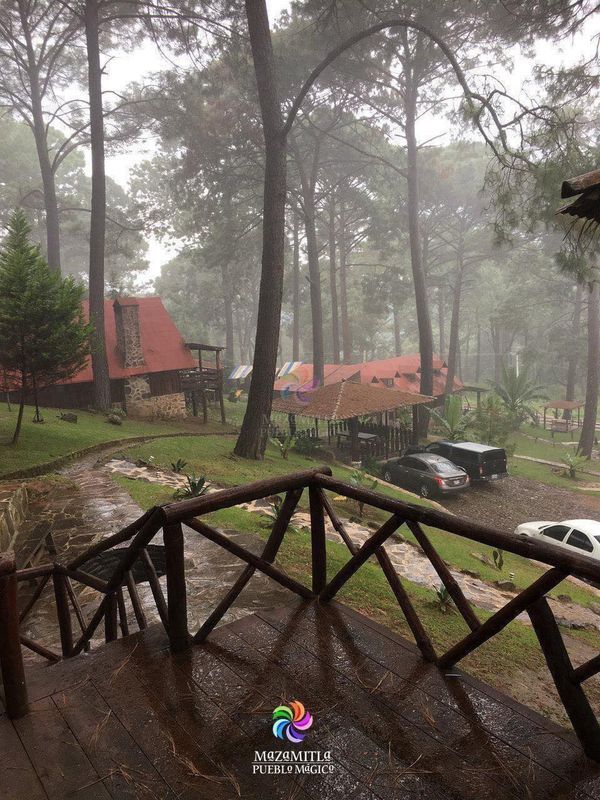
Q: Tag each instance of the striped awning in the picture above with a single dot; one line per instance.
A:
(289, 367)
(241, 372)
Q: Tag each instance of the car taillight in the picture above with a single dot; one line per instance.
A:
(481, 469)
(439, 481)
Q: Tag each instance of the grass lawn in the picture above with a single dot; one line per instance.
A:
(42, 443)
(212, 456)
(548, 449)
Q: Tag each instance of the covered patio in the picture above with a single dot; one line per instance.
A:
(344, 407)
(567, 422)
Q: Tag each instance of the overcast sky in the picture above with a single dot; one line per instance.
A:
(145, 60)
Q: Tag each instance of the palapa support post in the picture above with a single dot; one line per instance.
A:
(11, 657)
(354, 447)
(63, 612)
(179, 638)
(577, 706)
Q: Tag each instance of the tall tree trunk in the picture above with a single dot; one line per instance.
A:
(41, 145)
(335, 319)
(296, 288)
(441, 321)
(418, 273)
(17, 431)
(314, 271)
(98, 208)
(397, 335)
(252, 440)
(573, 350)
(346, 330)
(453, 347)
(228, 314)
(478, 354)
(588, 428)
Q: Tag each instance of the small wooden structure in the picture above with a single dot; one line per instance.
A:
(478, 390)
(566, 423)
(205, 379)
(587, 205)
(343, 405)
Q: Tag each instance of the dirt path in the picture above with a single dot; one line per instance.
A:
(507, 503)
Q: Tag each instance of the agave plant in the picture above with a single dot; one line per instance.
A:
(452, 422)
(195, 487)
(518, 393)
(179, 465)
(443, 598)
(572, 464)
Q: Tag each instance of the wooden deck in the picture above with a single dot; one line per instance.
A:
(133, 721)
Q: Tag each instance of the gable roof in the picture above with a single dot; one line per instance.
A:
(162, 345)
(405, 370)
(345, 400)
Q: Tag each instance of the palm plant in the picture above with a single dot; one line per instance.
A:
(452, 422)
(518, 393)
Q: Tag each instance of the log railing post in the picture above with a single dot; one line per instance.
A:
(577, 706)
(317, 539)
(63, 613)
(11, 657)
(176, 588)
(111, 631)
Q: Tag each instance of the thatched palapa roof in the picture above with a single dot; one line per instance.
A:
(345, 400)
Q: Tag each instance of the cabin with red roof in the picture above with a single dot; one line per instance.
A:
(145, 354)
(399, 372)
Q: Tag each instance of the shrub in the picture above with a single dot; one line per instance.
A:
(195, 487)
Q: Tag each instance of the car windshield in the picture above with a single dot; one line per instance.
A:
(444, 468)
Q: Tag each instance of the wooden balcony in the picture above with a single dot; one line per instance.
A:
(169, 713)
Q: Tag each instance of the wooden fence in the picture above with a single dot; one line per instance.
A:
(173, 609)
(387, 441)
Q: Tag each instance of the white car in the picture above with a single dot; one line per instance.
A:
(577, 535)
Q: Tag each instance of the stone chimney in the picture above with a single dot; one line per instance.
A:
(127, 323)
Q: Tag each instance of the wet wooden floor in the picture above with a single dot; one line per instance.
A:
(132, 721)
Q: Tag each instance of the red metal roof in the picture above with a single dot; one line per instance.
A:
(162, 344)
(405, 370)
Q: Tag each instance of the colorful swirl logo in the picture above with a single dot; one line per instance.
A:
(291, 722)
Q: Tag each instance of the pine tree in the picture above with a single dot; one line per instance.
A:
(43, 336)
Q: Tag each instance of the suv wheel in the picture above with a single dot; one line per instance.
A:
(425, 491)
(387, 476)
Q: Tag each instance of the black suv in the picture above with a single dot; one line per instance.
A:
(480, 461)
(426, 474)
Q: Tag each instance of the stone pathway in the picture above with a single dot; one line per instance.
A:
(89, 507)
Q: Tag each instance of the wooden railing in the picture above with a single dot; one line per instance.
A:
(178, 519)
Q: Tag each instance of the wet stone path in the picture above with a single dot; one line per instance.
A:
(89, 507)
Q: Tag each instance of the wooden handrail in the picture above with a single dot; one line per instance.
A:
(173, 614)
(227, 498)
(572, 563)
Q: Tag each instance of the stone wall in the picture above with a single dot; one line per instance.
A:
(140, 403)
(13, 507)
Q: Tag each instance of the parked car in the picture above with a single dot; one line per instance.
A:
(481, 462)
(426, 474)
(577, 535)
